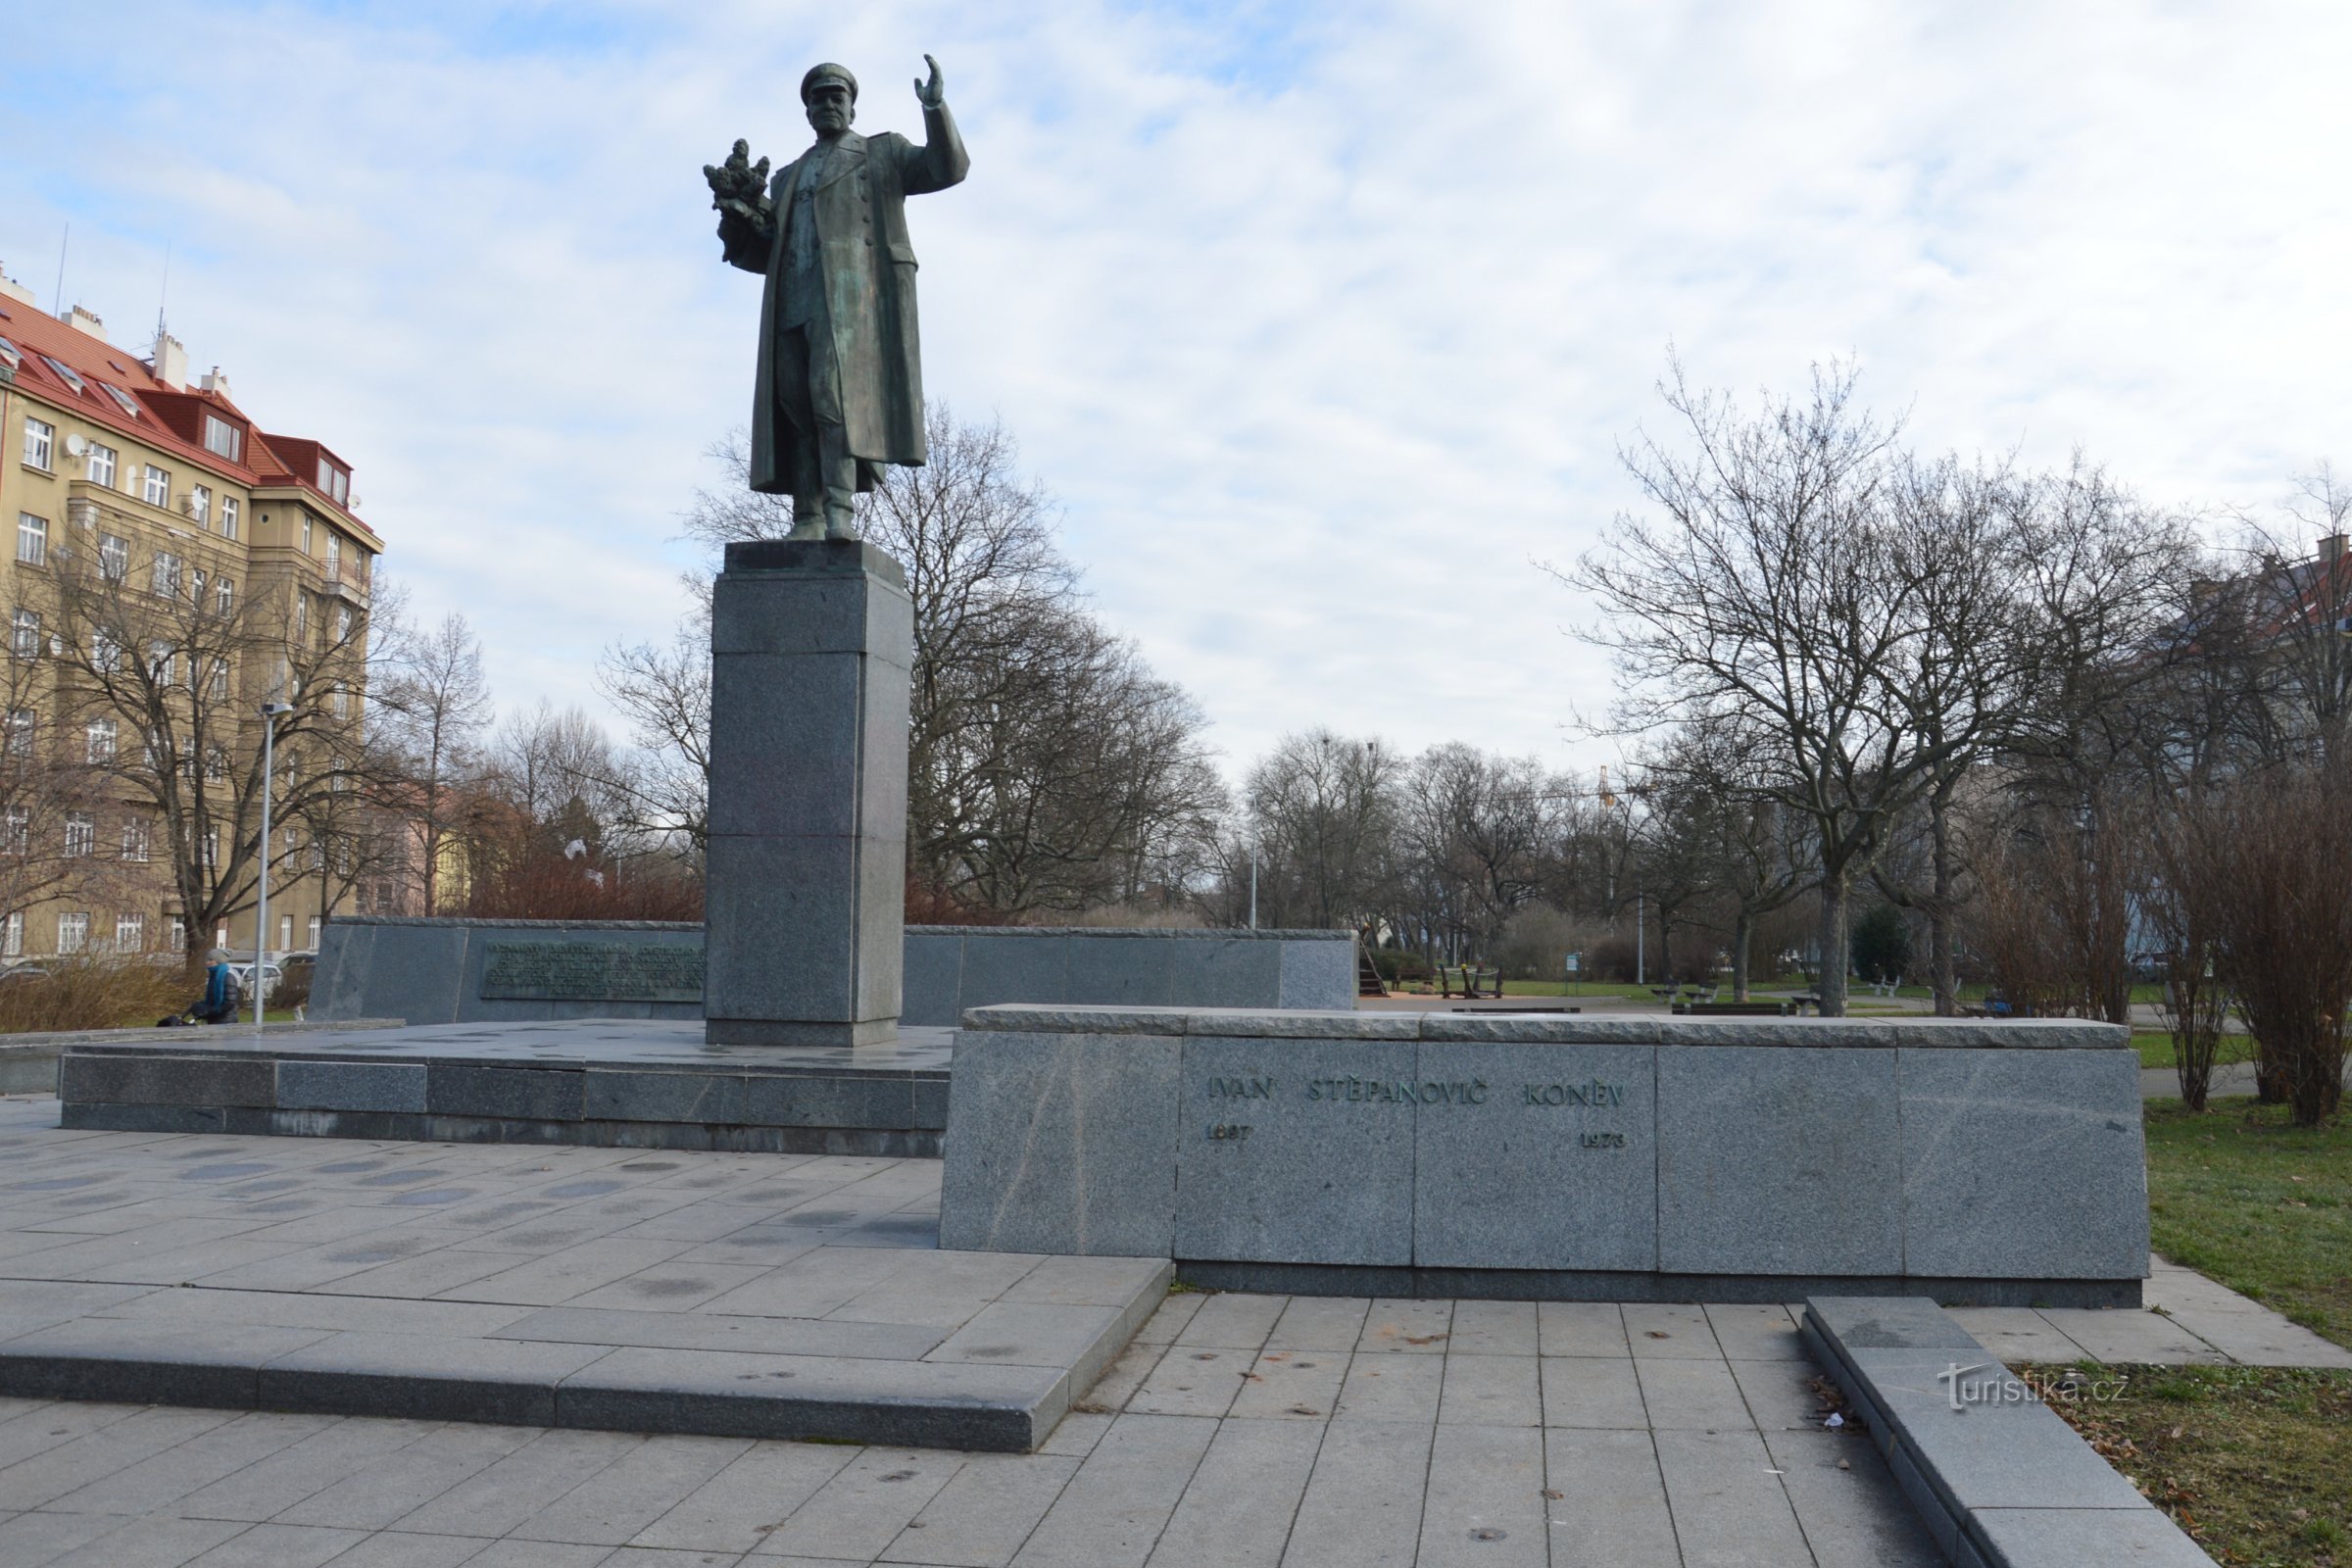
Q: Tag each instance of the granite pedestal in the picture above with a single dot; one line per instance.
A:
(1557, 1157)
(810, 649)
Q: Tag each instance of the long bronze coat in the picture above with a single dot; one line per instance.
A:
(869, 270)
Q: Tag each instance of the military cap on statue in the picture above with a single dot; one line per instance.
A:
(828, 71)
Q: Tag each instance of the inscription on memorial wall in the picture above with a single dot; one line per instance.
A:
(592, 971)
(1591, 1095)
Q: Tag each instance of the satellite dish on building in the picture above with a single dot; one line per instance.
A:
(75, 446)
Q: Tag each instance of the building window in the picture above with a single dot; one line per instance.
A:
(167, 578)
(20, 725)
(225, 438)
(32, 540)
(134, 840)
(65, 372)
(26, 635)
(219, 679)
(12, 937)
(225, 596)
(228, 517)
(334, 555)
(342, 623)
(285, 933)
(114, 557)
(131, 933)
(215, 765)
(40, 442)
(162, 660)
(338, 701)
(101, 465)
(211, 862)
(72, 933)
(16, 830)
(313, 933)
(98, 741)
(159, 487)
(200, 504)
(308, 523)
(302, 614)
(198, 582)
(106, 654)
(180, 933)
(81, 834)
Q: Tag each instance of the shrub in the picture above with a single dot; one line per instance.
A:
(91, 993)
(1882, 944)
(1398, 965)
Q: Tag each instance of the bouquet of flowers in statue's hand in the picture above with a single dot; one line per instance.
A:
(739, 185)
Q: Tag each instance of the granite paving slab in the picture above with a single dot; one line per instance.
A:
(515, 1301)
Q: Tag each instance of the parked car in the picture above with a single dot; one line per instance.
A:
(271, 976)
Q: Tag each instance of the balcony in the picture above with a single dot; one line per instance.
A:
(345, 584)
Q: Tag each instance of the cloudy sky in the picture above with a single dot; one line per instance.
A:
(1324, 322)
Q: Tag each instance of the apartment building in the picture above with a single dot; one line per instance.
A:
(121, 472)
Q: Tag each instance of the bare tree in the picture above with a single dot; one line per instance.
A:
(1478, 837)
(432, 709)
(180, 666)
(1323, 818)
(664, 690)
(54, 792)
(2271, 856)
(1768, 589)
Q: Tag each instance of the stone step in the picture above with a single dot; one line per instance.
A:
(1996, 1476)
(998, 1381)
(636, 1084)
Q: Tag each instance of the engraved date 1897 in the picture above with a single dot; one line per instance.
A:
(1227, 1132)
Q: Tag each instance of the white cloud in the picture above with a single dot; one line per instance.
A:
(1322, 325)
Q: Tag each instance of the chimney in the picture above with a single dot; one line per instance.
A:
(171, 363)
(82, 320)
(217, 383)
(12, 289)
(2331, 548)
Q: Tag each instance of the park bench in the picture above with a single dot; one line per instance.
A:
(1735, 1010)
(1469, 982)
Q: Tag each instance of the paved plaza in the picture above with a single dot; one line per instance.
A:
(1236, 1429)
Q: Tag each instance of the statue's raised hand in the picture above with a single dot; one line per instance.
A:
(737, 185)
(932, 95)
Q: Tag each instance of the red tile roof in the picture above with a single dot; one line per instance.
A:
(169, 420)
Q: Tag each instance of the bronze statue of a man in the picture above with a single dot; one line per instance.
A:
(841, 380)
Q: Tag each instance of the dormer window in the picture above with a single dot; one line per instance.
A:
(333, 481)
(122, 399)
(9, 355)
(65, 372)
(225, 438)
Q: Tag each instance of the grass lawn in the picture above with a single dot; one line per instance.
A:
(2242, 1195)
(2255, 1462)
(2155, 1048)
(1562, 987)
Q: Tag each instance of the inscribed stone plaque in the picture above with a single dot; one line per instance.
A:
(1296, 1151)
(592, 971)
(1536, 1156)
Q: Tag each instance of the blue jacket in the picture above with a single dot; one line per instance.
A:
(216, 981)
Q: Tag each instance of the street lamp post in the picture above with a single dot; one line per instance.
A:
(260, 918)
